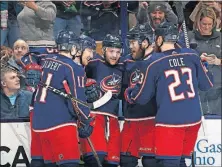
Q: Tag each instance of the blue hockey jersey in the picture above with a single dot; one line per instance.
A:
(133, 75)
(174, 77)
(52, 110)
(108, 78)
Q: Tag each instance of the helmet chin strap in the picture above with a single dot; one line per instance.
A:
(80, 56)
(73, 55)
(143, 50)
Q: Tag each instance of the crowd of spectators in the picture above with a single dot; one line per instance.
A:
(33, 26)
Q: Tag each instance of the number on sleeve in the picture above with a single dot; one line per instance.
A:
(81, 81)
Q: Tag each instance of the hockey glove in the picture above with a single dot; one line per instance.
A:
(127, 95)
(92, 91)
(85, 127)
(33, 74)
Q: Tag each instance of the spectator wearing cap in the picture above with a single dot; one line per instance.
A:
(208, 42)
(155, 13)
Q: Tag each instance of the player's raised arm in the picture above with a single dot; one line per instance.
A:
(204, 76)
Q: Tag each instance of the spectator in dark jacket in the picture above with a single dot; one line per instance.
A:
(155, 12)
(208, 42)
(14, 101)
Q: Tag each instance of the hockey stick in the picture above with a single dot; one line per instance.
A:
(66, 86)
(179, 5)
(103, 100)
(73, 99)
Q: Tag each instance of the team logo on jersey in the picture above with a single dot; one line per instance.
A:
(112, 83)
(136, 77)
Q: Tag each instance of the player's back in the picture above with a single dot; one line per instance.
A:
(177, 77)
(50, 109)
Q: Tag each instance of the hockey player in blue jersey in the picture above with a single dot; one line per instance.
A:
(106, 71)
(54, 118)
(173, 77)
(87, 50)
(137, 136)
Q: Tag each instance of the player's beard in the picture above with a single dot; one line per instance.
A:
(140, 55)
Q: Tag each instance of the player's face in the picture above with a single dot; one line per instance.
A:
(135, 49)
(113, 55)
(157, 17)
(20, 49)
(11, 81)
(87, 55)
(206, 26)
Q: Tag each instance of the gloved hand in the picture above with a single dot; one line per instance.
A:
(33, 74)
(127, 95)
(85, 127)
(92, 91)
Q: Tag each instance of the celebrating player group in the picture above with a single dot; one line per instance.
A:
(157, 83)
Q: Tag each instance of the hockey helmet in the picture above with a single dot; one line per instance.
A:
(141, 32)
(87, 42)
(168, 31)
(66, 40)
(112, 41)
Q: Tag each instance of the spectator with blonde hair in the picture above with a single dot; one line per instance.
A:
(216, 6)
(14, 101)
(208, 41)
